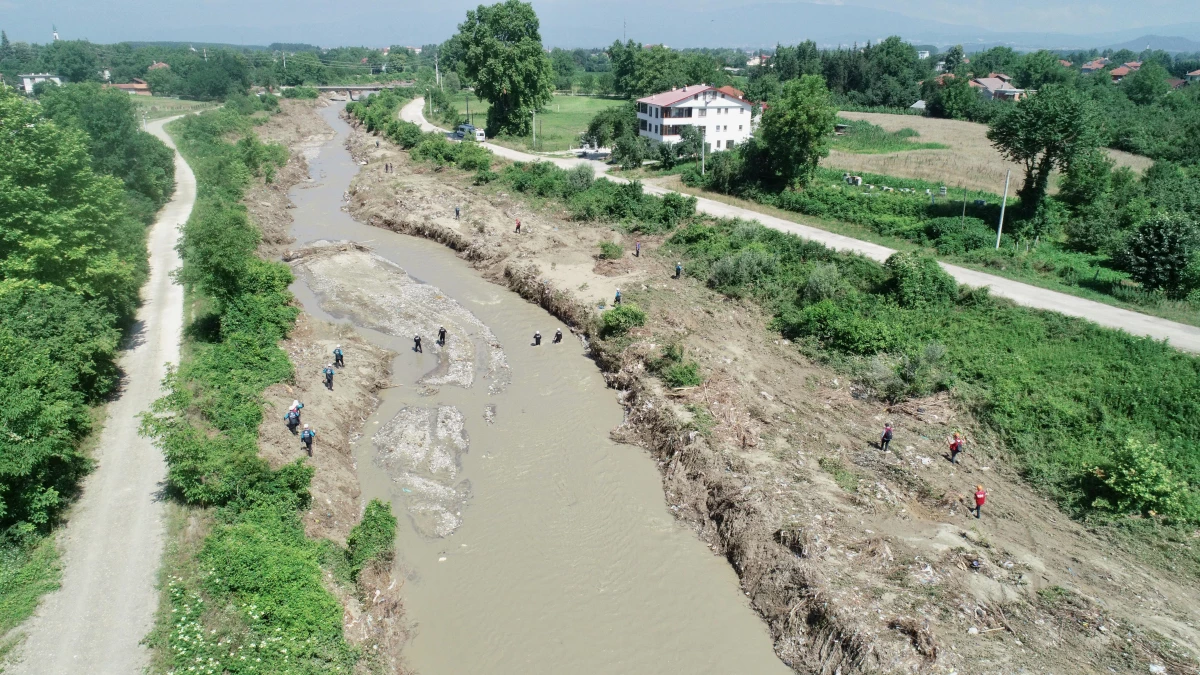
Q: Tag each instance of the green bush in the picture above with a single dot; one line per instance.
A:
(485, 176)
(620, 319)
(302, 92)
(918, 281)
(1141, 482)
(611, 250)
(685, 374)
(374, 538)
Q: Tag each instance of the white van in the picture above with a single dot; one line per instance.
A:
(466, 131)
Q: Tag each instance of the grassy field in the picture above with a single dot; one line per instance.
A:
(558, 126)
(865, 138)
(968, 160)
(156, 107)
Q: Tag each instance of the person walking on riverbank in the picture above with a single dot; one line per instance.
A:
(293, 420)
(956, 446)
(678, 269)
(980, 498)
(328, 377)
(558, 336)
(637, 249)
(537, 338)
(417, 344)
(306, 437)
(337, 357)
(886, 439)
(457, 212)
(518, 230)
(617, 300)
(441, 336)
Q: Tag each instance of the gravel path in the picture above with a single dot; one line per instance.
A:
(1181, 336)
(112, 545)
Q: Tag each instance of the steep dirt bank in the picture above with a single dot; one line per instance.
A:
(374, 616)
(859, 560)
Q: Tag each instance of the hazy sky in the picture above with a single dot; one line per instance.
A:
(381, 22)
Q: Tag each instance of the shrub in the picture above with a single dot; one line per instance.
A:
(620, 319)
(1141, 482)
(580, 179)
(685, 374)
(372, 539)
(1161, 252)
(301, 92)
(918, 280)
(470, 156)
(734, 272)
(611, 250)
(485, 176)
(824, 283)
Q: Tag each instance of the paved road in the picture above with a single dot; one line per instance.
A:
(112, 545)
(1181, 336)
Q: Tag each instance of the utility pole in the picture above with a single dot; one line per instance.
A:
(437, 71)
(205, 54)
(1003, 204)
(534, 125)
(467, 100)
(963, 223)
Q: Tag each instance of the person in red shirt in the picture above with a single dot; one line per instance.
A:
(956, 446)
(980, 498)
(518, 230)
(886, 439)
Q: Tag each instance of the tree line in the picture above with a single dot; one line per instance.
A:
(79, 182)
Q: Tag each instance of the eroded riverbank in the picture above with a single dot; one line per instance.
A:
(565, 556)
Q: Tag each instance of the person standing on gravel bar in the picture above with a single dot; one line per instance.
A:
(457, 212)
(637, 249)
(442, 335)
(518, 230)
(306, 437)
(617, 300)
(417, 344)
(337, 357)
(886, 439)
(558, 336)
(537, 338)
(956, 446)
(328, 376)
(980, 498)
(678, 269)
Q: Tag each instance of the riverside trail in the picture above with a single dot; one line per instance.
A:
(112, 544)
(1181, 336)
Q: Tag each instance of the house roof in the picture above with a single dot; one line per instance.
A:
(993, 83)
(1195, 72)
(1065, 63)
(1132, 65)
(158, 65)
(732, 91)
(669, 98)
(1175, 82)
(1120, 71)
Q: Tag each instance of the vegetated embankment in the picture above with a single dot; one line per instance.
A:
(266, 563)
(860, 560)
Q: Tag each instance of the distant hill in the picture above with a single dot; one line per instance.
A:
(1167, 44)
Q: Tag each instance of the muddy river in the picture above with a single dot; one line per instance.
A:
(530, 542)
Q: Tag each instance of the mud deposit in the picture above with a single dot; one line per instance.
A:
(531, 543)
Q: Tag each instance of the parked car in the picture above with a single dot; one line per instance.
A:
(470, 131)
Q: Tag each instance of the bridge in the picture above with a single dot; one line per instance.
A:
(353, 90)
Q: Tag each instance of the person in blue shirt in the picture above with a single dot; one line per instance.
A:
(337, 357)
(328, 376)
(617, 300)
(306, 437)
(678, 269)
(293, 420)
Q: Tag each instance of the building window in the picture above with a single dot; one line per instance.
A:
(718, 145)
(703, 112)
(739, 127)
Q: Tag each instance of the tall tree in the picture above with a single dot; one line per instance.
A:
(503, 56)
(953, 60)
(1162, 254)
(1037, 69)
(1044, 132)
(74, 60)
(1147, 84)
(795, 129)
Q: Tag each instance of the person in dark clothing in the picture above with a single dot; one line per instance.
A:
(337, 357)
(417, 344)
(306, 437)
(442, 335)
(518, 230)
(457, 212)
(537, 338)
(678, 269)
(617, 300)
(886, 439)
(637, 249)
(558, 336)
(956, 446)
(293, 420)
(328, 376)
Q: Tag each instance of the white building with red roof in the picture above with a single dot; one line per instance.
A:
(722, 114)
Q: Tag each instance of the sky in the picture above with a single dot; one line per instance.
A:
(570, 23)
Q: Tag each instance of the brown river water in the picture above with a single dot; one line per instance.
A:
(529, 541)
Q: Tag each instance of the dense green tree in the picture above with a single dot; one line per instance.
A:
(503, 56)
(1044, 132)
(1037, 69)
(994, 60)
(74, 60)
(1161, 253)
(955, 98)
(795, 130)
(953, 60)
(302, 68)
(612, 123)
(1146, 85)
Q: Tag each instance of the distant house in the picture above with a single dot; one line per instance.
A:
(1117, 74)
(1094, 66)
(919, 105)
(27, 81)
(723, 116)
(1132, 65)
(997, 89)
(758, 61)
(1065, 63)
(922, 55)
(159, 65)
(1175, 82)
(732, 91)
(1193, 76)
(135, 88)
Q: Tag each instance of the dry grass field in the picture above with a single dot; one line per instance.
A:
(970, 161)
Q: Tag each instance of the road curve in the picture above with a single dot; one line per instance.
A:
(1181, 336)
(113, 541)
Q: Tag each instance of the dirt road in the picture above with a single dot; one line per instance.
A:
(1180, 335)
(113, 542)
